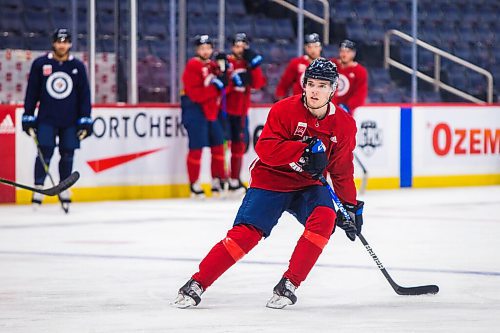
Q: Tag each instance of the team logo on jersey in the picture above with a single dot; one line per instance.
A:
(59, 85)
(343, 86)
(301, 129)
(47, 70)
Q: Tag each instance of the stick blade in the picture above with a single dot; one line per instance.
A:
(63, 185)
(421, 290)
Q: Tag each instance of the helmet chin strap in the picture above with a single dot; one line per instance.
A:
(315, 108)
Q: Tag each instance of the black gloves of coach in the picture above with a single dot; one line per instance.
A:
(84, 127)
(29, 123)
(314, 159)
(351, 226)
(252, 58)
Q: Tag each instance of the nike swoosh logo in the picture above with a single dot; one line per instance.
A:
(111, 162)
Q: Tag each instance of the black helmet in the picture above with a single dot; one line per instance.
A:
(61, 34)
(311, 38)
(322, 69)
(202, 39)
(240, 37)
(347, 44)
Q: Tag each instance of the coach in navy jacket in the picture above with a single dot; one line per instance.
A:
(58, 82)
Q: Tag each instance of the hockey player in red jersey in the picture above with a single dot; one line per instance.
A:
(304, 137)
(353, 79)
(294, 72)
(203, 82)
(246, 74)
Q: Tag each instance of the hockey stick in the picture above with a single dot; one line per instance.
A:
(46, 167)
(64, 185)
(419, 290)
(364, 180)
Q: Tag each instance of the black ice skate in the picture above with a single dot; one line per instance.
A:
(65, 198)
(218, 188)
(196, 190)
(189, 295)
(37, 198)
(236, 187)
(283, 295)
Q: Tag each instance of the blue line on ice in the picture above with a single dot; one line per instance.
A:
(250, 262)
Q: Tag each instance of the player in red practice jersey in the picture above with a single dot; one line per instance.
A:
(353, 79)
(304, 136)
(246, 74)
(294, 72)
(203, 82)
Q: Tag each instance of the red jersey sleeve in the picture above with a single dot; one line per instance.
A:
(287, 80)
(198, 88)
(341, 166)
(275, 146)
(360, 90)
(258, 78)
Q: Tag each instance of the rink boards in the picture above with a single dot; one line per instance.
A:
(140, 151)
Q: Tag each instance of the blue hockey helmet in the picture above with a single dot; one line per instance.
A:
(62, 35)
(240, 37)
(202, 39)
(311, 38)
(322, 69)
(347, 44)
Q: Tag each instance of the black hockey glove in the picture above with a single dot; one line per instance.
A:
(29, 123)
(314, 159)
(246, 78)
(84, 127)
(352, 227)
(222, 62)
(252, 58)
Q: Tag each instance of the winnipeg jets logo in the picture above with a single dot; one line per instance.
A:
(343, 86)
(59, 85)
(301, 129)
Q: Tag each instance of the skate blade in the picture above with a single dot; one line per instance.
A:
(200, 196)
(219, 195)
(183, 302)
(278, 302)
(236, 194)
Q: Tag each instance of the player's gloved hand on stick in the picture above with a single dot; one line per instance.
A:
(352, 227)
(252, 58)
(84, 127)
(29, 123)
(314, 159)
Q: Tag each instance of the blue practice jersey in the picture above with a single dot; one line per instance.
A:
(62, 88)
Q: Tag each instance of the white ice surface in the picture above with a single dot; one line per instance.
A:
(115, 266)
